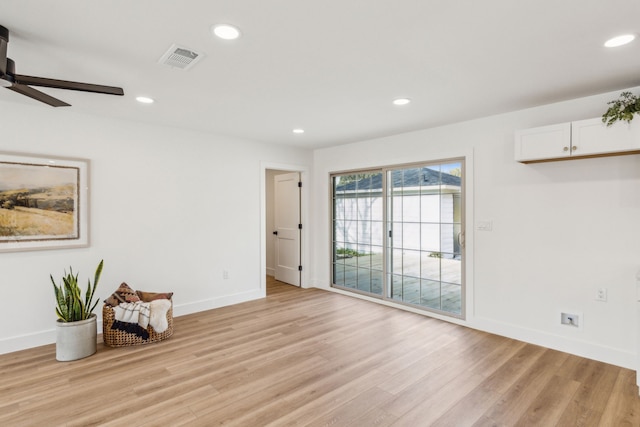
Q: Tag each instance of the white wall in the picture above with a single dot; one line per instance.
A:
(560, 230)
(170, 210)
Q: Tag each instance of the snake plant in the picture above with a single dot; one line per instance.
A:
(70, 305)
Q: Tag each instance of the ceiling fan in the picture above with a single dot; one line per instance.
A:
(22, 84)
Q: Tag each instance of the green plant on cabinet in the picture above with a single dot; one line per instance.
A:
(622, 108)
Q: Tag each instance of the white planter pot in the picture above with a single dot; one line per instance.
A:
(76, 340)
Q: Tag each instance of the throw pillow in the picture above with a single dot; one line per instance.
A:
(123, 294)
(152, 296)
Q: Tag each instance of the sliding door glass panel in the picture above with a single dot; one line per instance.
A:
(425, 225)
(358, 232)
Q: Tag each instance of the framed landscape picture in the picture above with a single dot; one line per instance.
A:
(43, 202)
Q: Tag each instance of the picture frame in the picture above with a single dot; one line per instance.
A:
(44, 202)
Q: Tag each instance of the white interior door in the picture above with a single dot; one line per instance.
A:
(287, 228)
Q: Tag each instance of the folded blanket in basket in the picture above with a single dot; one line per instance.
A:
(134, 317)
(133, 312)
(132, 328)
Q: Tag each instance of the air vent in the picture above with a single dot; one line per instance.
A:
(180, 57)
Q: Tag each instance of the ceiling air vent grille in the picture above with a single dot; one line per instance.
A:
(180, 57)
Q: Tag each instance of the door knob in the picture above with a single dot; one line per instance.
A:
(275, 233)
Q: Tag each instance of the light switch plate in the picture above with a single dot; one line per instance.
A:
(484, 225)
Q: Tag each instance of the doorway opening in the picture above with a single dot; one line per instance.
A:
(283, 227)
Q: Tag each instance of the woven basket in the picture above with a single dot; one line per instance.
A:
(118, 338)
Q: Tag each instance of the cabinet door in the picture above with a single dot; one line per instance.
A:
(591, 137)
(546, 142)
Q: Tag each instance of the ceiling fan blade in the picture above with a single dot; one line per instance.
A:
(37, 95)
(4, 39)
(65, 84)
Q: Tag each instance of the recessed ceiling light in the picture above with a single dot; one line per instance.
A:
(620, 40)
(401, 101)
(144, 100)
(226, 31)
(298, 131)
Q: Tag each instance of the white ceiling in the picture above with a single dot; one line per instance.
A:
(331, 67)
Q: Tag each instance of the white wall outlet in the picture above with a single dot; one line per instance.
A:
(601, 294)
(570, 319)
(225, 274)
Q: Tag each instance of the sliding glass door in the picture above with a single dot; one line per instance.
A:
(398, 234)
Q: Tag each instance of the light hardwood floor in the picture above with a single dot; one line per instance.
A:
(310, 357)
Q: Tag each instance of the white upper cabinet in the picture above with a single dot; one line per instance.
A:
(590, 137)
(544, 142)
(584, 138)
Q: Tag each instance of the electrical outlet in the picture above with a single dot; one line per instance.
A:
(601, 294)
(225, 274)
(570, 319)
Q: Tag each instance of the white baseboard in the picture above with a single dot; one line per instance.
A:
(210, 304)
(22, 342)
(576, 346)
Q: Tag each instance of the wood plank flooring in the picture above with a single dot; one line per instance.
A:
(306, 357)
